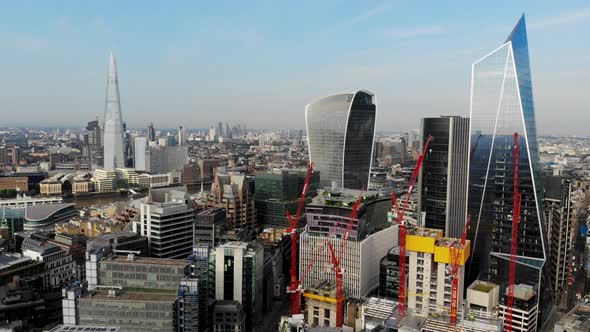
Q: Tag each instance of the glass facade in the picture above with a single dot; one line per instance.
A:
(340, 133)
(501, 105)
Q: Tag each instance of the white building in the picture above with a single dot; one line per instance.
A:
(525, 311)
(140, 153)
(104, 180)
(57, 261)
(360, 260)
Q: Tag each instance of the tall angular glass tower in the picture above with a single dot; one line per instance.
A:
(501, 105)
(114, 152)
(340, 135)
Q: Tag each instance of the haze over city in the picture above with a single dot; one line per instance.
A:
(264, 61)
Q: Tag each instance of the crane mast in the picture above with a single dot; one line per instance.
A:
(514, 241)
(402, 228)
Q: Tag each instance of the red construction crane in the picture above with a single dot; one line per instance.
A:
(456, 253)
(513, 243)
(294, 288)
(336, 260)
(402, 229)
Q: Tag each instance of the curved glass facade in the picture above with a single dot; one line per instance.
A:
(501, 105)
(340, 134)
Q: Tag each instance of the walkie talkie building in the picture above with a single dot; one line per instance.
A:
(340, 135)
(501, 105)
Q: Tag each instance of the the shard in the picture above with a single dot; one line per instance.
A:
(501, 105)
(113, 121)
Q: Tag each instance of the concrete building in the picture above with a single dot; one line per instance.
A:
(17, 183)
(442, 182)
(239, 277)
(82, 186)
(229, 316)
(525, 311)
(122, 240)
(50, 187)
(88, 227)
(232, 193)
(58, 263)
(105, 180)
(113, 139)
(369, 241)
(142, 272)
(132, 311)
(163, 159)
(429, 277)
(561, 205)
(482, 299)
(141, 145)
(209, 226)
(320, 304)
(167, 216)
(577, 320)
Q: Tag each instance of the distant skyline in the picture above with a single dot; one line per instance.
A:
(194, 64)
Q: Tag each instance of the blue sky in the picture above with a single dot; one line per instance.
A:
(196, 63)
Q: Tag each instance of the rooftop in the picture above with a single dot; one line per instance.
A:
(149, 261)
(126, 295)
(577, 320)
(42, 212)
(85, 328)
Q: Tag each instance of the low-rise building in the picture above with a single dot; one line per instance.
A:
(132, 311)
(525, 311)
(17, 183)
(321, 304)
(229, 316)
(50, 187)
(104, 180)
(39, 217)
(89, 227)
(58, 263)
(577, 320)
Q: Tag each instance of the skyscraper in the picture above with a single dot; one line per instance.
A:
(442, 189)
(140, 153)
(151, 133)
(340, 135)
(114, 148)
(501, 105)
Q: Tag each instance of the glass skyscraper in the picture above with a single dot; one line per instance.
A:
(114, 152)
(340, 135)
(501, 105)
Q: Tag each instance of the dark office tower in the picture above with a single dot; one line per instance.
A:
(16, 155)
(220, 130)
(501, 105)
(278, 191)
(94, 134)
(340, 135)
(4, 160)
(151, 133)
(561, 205)
(442, 189)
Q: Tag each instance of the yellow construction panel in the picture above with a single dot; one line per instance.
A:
(443, 254)
(420, 243)
(319, 297)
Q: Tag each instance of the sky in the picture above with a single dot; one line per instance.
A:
(195, 63)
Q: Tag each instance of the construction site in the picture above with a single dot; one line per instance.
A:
(348, 233)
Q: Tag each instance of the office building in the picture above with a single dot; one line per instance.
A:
(278, 191)
(58, 263)
(171, 212)
(561, 205)
(104, 180)
(232, 193)
(442, 183)
(113, 140)
(229, 316)
(429, 276)
(320, 304)
(182, 138)
(15, 264)
(123, 240)
(16, 183)
(138, 272)
(525, 311)
(133, 311)
(140, 153)
(340, 134)
(22, 306)
(389, 274)
(4, 160)
(188, 305)
(164, 159)
(369, 241)
(209, 226)
(239, 277)
(501, 105)
(202, 268)
(94, 134)
(85, 328)
(390, 151)
(16, 155)
(577, 320)
(50, 187)
(151, 133)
